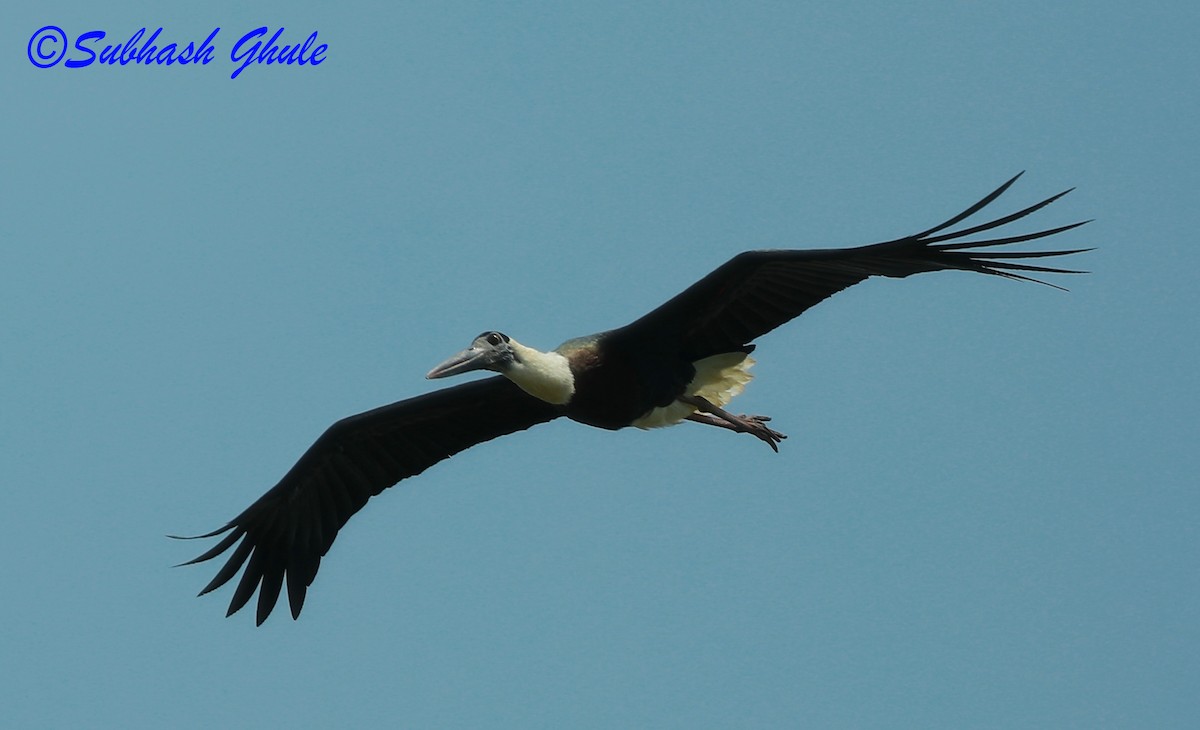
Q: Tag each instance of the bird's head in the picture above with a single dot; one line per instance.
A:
(489, 351)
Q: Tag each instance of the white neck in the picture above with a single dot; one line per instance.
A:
(544, 375)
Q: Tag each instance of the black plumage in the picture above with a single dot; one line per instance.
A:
(290, 528)
(618, 376)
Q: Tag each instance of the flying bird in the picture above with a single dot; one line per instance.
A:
(683, 361)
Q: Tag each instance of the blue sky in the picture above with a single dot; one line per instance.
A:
(985, 515)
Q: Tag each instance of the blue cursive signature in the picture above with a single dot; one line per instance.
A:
(273, 53)
(49, 46)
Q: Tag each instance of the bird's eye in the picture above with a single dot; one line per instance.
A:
(494, 338)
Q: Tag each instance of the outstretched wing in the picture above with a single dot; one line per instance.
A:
(287, 531)
(757, 291)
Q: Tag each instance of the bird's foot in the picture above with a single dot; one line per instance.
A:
(756, 426)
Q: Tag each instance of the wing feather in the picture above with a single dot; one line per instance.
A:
(757, 291)
(285, 533)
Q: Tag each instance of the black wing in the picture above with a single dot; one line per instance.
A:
(289, 529)
(757, 291)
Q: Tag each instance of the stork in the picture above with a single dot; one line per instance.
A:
(683, 361)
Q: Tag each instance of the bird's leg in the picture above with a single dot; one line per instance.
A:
(713, 415)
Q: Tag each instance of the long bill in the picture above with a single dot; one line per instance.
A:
(472, 358)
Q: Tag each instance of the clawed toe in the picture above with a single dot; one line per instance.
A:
(755, 425)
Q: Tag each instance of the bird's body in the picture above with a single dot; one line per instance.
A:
(616, 383)
(685, 360)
